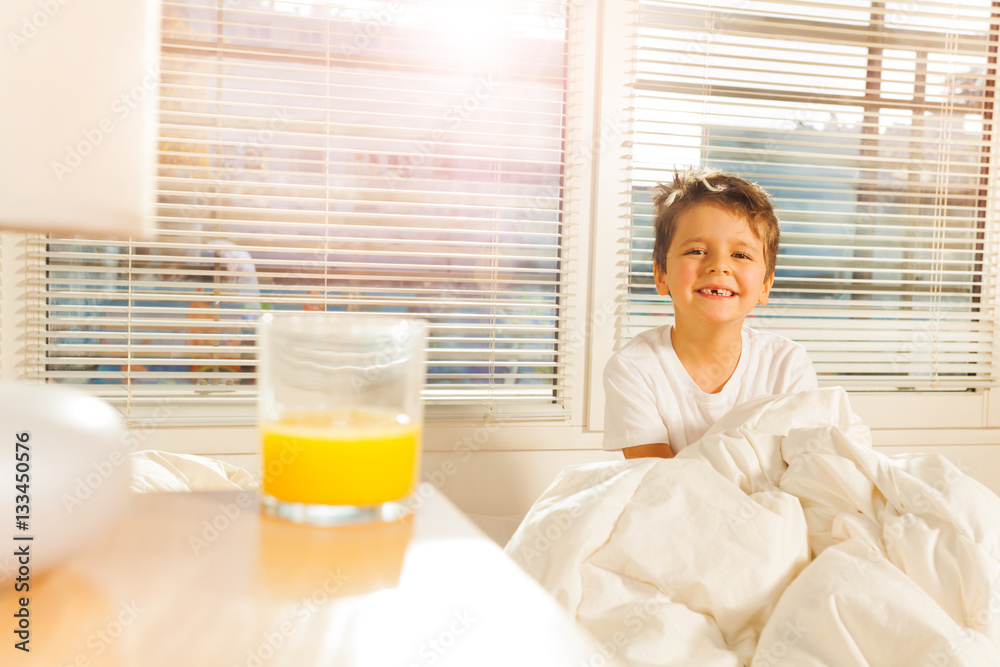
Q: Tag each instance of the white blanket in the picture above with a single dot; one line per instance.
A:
(780, 538)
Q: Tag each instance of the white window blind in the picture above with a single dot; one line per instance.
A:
(872, 125)
(383, 157)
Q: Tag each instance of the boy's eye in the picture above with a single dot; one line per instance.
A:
(695, 251)
(741, 255)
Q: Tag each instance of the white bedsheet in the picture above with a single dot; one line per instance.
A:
(780, 538)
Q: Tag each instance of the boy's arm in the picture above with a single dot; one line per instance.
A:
(659, 450)
(630, 412)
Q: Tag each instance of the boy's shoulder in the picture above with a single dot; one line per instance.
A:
(779, 364)
(768, 342)
(651, 341)
(644, 353)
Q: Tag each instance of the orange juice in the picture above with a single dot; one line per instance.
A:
(343, 457)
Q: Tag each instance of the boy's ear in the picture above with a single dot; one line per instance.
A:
(765, 291)
(661, 281)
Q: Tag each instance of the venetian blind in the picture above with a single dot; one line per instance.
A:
(400, 158)
(872, 125)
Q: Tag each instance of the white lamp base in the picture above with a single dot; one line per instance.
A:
(64, 473)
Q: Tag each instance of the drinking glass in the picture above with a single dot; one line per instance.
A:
(340, 415)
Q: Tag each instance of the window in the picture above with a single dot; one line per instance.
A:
(872, 127)
(458, 161)
(385, 157)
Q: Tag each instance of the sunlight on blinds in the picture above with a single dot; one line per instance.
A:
(383, 157)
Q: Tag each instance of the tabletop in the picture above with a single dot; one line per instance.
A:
(205, 579)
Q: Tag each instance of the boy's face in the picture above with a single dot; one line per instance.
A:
(715, 267)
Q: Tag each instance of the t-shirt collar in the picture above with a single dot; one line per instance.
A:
(691, 386)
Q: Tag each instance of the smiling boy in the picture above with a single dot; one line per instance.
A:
(714, 253)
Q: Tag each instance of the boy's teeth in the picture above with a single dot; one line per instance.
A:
(719, 292)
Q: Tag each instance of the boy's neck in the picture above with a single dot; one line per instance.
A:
(708, 352)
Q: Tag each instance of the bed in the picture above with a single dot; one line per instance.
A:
(780, 538)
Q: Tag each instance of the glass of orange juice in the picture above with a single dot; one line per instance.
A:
(340, 415)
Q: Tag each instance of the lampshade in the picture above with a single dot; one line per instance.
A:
(79, 84)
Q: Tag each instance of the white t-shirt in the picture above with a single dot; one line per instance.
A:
(650, 398)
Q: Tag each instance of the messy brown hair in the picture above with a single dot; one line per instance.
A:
(710, 186)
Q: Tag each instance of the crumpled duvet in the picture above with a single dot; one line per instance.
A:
(779, 538)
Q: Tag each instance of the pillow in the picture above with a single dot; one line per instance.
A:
(154, 471)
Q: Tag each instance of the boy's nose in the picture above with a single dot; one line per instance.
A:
(720, 267)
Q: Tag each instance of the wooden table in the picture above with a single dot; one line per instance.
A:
(204, 579)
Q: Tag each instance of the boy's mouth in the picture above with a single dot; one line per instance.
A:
(716, 291)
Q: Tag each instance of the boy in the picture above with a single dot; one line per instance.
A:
(714, 252)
